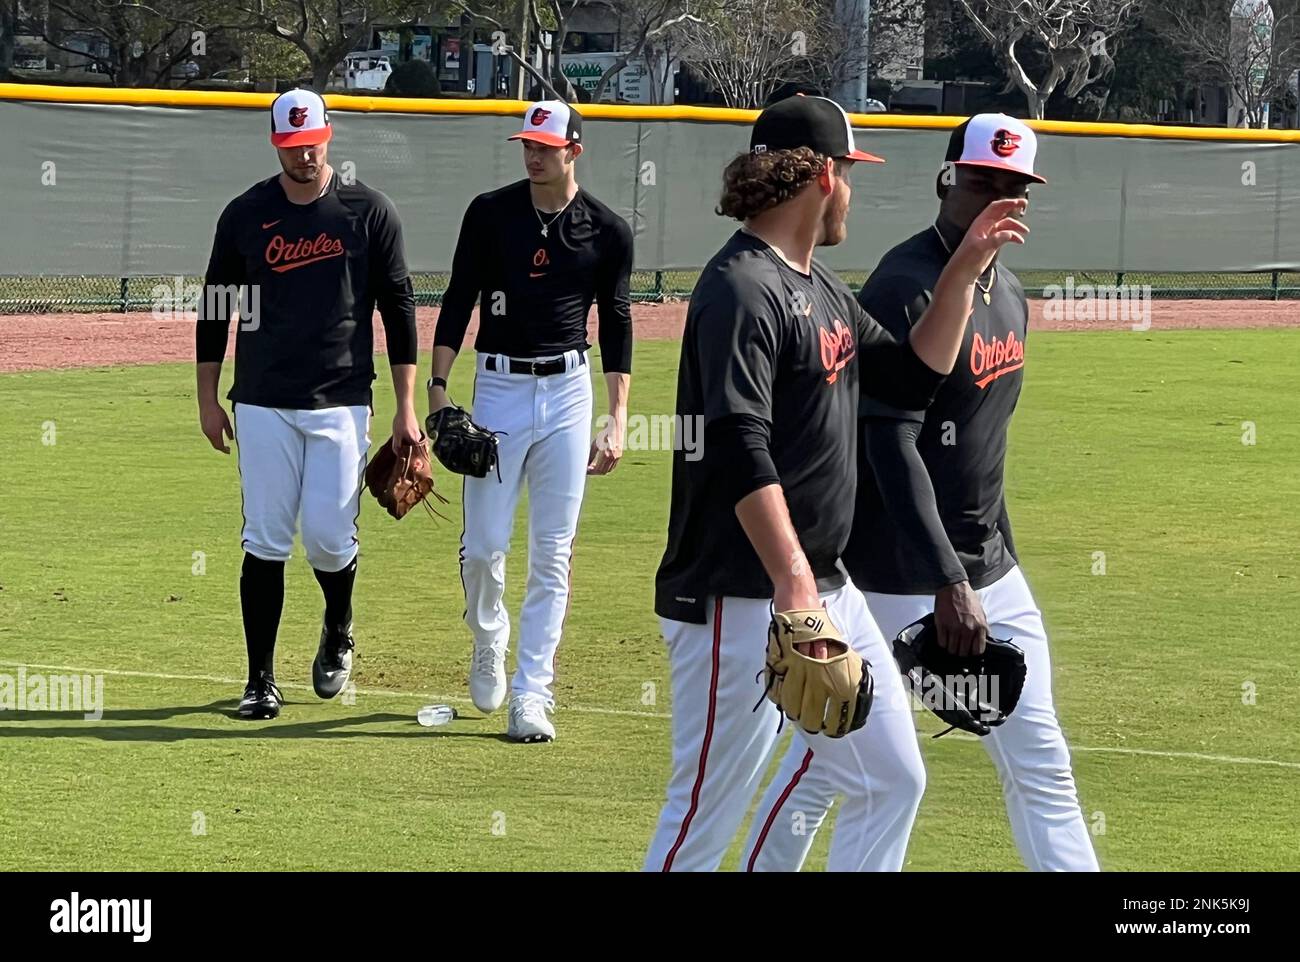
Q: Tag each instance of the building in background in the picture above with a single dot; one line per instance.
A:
(597, 39)
(464, 57)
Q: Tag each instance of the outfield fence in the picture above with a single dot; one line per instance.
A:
(63, 294)
(108, 194)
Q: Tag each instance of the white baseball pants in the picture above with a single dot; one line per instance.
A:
(545, 423)
(724, 729)
(302, 462)
(1028, 750)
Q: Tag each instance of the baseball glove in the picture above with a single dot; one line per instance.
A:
(399, 483)
(975, 693)
(461, 445)
(829, 696)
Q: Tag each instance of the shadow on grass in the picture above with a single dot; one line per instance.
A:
(16, 724)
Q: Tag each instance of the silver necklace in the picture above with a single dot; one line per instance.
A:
(987, 292)
(546, 224)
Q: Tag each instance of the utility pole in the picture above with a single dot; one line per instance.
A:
(519, 88)
(855, 17)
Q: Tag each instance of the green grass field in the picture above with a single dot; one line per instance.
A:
(1128, 444)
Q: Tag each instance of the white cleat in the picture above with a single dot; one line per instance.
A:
(487, 678)
(528, 721)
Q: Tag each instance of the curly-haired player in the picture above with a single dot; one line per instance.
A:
(773, 356)
(931, 530)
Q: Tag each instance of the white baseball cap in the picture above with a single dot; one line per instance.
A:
(299, 118)
(995, 140)
(551, 122)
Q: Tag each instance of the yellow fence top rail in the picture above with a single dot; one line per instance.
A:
(206, 98)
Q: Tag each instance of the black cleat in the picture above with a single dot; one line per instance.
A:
(262, 699)
(333, 664)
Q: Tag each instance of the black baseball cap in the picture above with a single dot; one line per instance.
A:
(818, 123)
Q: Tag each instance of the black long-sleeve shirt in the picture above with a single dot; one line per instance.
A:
(766, 342)
(536, 290)
(313, 275)
(931, 506)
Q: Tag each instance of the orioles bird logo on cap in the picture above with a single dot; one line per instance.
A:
(297, 116)
(1005, 143)
(539, 117)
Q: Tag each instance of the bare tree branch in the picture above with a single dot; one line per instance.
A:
(1251, 48)
(1072, 33)
(748, 48)
(550, 71)
(648, 22)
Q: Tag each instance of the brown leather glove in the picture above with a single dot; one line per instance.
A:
(399, 483)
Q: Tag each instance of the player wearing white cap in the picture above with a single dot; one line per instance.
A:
(314, 257)
(534, 255)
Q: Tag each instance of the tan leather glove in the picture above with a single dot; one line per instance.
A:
(829, 696)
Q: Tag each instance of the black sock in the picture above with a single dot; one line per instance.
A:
(261, 598)
(337, 587)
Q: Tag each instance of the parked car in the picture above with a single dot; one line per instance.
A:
(235, 75)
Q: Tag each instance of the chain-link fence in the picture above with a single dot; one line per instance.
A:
(58, 294)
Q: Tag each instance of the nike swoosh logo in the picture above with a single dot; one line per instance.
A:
(272, 224)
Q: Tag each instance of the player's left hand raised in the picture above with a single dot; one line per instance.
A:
(998, 225)
(406, 430)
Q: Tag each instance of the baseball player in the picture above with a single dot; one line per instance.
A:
(930, 530)
(773, 352)
(536, 253)
(313, 256)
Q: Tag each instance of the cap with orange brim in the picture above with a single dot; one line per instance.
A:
(551, 122)
(299, 118)
(818, 123)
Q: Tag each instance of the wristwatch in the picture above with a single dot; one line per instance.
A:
(434, 382)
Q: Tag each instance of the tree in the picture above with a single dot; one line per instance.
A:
(270, 59)
(1152, 78)
(661, 51)
(749, 48)
(1072, 35)
(546, 20)
(415, 78)
(8, 29)
(144, 41)
(895, 27)
(648, 20)
(662, 44)
(1247, 46)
